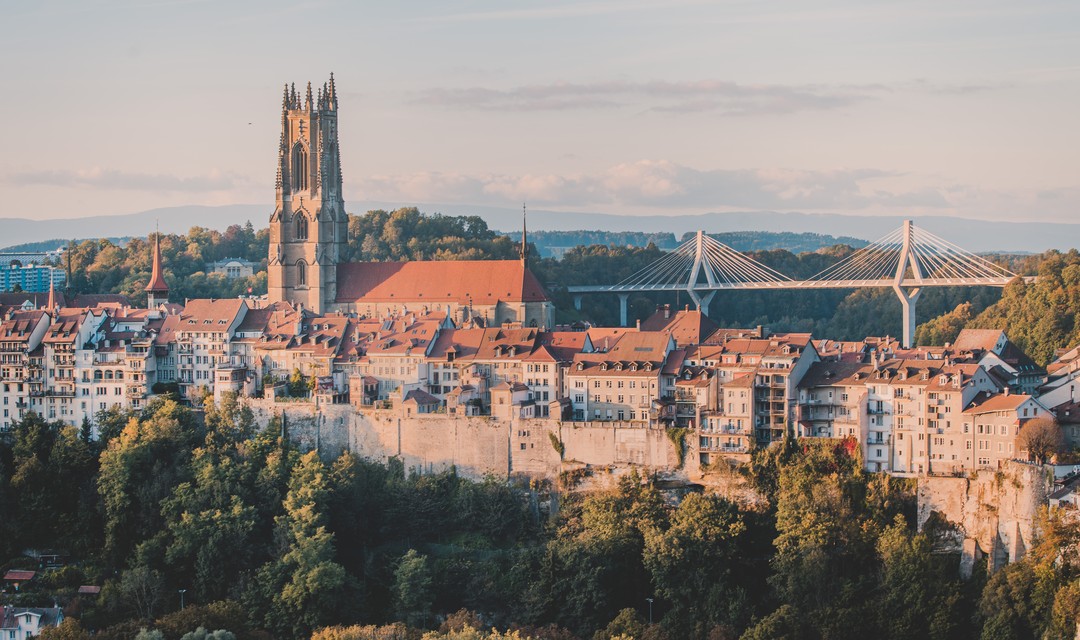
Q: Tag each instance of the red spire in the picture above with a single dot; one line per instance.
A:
(52, 293)
(157, 279)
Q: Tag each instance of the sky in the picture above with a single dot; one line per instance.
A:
(965, 108)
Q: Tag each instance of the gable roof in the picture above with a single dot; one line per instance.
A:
(438, 282)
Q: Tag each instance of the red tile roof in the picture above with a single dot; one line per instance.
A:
(16, 575)
(457, 281)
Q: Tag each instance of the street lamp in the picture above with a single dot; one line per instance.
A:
(649, 600)
(182, 592)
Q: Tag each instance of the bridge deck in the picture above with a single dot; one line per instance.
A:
(799, 284)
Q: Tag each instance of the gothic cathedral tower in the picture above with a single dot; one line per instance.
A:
(309, 226)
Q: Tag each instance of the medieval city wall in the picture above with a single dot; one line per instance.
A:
(994, 510)
(476, 445)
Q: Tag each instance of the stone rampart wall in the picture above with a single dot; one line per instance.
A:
(476, 446)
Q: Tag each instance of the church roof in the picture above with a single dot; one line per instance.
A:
(480, 282)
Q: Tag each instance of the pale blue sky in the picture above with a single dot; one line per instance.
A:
(954, 108)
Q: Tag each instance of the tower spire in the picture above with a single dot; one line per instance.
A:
(307, 99)
(52, 292)
(524, 236)
(157, 290)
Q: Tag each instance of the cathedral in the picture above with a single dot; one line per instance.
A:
(309, 236)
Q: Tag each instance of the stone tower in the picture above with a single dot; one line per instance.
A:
(309, 226)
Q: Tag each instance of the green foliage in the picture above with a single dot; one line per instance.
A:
(944, 328)
(677, 435)
(280, 544)
(1040, 317)
(557, 444)
(105, 266)
(413, 592)
(407, 234)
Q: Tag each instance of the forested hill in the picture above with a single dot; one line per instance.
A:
(557, 243)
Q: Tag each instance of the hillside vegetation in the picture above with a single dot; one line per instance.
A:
(271, 542)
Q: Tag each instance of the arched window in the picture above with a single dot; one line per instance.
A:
(301, 273)
(299, 167)
(301, 227)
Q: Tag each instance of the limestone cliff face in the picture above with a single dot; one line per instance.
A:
(475, 446)
(993, 512)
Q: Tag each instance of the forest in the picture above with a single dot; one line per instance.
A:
(271, 542)
(1040, 317)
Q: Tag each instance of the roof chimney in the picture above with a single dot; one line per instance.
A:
(639, 324)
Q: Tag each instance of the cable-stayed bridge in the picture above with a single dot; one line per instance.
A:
(906, 260)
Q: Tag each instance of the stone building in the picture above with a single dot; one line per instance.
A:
(309, 239)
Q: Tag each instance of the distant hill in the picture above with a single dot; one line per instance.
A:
(974, 235)
(555, 243)
(51, 245)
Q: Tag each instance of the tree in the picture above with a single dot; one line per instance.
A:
(69, 629)
(143, 590)
(691, 562)
(413, 593)
(1042, 438)
(304, 587)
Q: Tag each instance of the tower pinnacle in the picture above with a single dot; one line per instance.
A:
(524, 236)
(157, 291)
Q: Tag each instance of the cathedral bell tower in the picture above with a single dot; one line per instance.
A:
(309, 226)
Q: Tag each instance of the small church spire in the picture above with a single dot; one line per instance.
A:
(52, 292)
(307, 99)
(333, 93)
(157, 291)
(285, 100)
(524, 236)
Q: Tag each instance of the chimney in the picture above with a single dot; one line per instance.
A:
(1006, 389)
(667, 311)
(639, 324)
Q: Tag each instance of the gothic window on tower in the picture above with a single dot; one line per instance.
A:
(299, 168)
(301, 227)
(301, 273)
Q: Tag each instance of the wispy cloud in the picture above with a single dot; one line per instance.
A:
(716, 96)
(113, 179)
(660, 185)
(728, 98)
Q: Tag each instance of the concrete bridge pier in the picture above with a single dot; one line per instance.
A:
(577, 302)
(908, 299)
(623, 297)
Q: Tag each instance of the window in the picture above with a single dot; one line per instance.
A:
(301, 273)
(301, 227)
(299, 167)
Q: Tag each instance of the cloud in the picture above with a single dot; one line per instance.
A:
(728, 98)
(662, 185)
(113, 179)
(715, 96)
